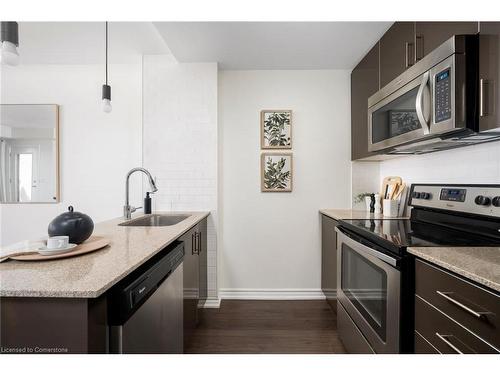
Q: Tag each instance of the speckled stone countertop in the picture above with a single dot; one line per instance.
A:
(346, 214)
(90, 275)
(480, 264)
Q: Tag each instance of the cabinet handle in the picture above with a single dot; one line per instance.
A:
(196, 243)
(193, 243)
(477, 314)
(199, 242)
(445, 339)
(419, 47)
(408, 61)
(483, 97)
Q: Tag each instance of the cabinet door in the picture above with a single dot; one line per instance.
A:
(364, 83)
(191, 286)
(396, 51)
(329, 259)
(203, 266)
(430, 35)
(489, 75)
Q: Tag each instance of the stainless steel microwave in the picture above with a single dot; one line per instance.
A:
(433, 105)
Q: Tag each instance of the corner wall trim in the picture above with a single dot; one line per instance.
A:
(272, 294)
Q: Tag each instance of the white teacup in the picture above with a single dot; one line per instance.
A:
(57, 242)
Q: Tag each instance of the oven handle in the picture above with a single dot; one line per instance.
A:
(418, 104)
(359, 246)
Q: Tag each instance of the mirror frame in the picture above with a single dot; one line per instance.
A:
(58, 156)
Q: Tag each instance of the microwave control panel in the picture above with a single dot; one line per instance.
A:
(442, 96)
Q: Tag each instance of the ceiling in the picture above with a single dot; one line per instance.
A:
(83, 42)
(272, 45)
(234, 45)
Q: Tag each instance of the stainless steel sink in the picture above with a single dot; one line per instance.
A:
(155, 220)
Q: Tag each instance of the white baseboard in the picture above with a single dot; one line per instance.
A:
(272, 294)
(212, 303)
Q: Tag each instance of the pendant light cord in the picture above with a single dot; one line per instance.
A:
(106, 53)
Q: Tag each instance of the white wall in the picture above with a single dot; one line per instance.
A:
(270, 243)
(97, 149)
(469, 165)
(180, 141)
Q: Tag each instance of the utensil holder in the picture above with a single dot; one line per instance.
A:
(390, 208)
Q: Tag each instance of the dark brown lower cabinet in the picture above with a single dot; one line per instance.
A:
(454, 315)
(329, 260)
(195, 277)
(53, 325)
(422, 346)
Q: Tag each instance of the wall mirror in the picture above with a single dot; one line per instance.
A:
(29, 153)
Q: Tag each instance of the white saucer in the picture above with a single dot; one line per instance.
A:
(46, 251)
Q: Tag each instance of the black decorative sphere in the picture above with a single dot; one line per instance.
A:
(76, 225)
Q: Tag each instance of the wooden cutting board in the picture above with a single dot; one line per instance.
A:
(92, 244)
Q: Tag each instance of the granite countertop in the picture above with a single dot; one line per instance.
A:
(346, 214)
(90, 275)
(480, 264)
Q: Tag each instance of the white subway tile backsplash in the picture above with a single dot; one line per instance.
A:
(478, 164)
(474, 164)
(180, 141)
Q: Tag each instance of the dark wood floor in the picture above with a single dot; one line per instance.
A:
(241, 327)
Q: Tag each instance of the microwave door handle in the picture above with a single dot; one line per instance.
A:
(418, 104)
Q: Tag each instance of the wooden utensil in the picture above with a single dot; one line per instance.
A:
(400, 190)
(92, 244)
(386, 182)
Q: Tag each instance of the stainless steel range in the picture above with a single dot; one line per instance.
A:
(375, 274)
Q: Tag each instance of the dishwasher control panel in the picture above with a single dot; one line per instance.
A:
(133, 291)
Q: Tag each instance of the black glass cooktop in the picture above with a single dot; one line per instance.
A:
(402, 233)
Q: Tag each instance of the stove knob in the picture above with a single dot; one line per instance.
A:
(482, 200)
(425, 195)
(496, 201)
(416, 195)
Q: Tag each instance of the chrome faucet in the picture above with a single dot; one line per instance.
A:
(128, 209)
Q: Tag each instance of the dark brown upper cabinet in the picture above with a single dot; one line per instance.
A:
(489, 75)
(396, 51)
(430, 35)
(364, 83)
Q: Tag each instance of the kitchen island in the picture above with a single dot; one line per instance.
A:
(61, 305)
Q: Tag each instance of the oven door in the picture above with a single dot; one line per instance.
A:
(368, 287)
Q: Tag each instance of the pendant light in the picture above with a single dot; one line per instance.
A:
(9, 38)
(106, 89)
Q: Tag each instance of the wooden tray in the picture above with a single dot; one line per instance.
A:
(92, 244)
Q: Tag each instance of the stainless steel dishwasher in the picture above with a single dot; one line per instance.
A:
(146, 308)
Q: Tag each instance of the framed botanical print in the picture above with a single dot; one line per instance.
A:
(276, 172)
(276, 129)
